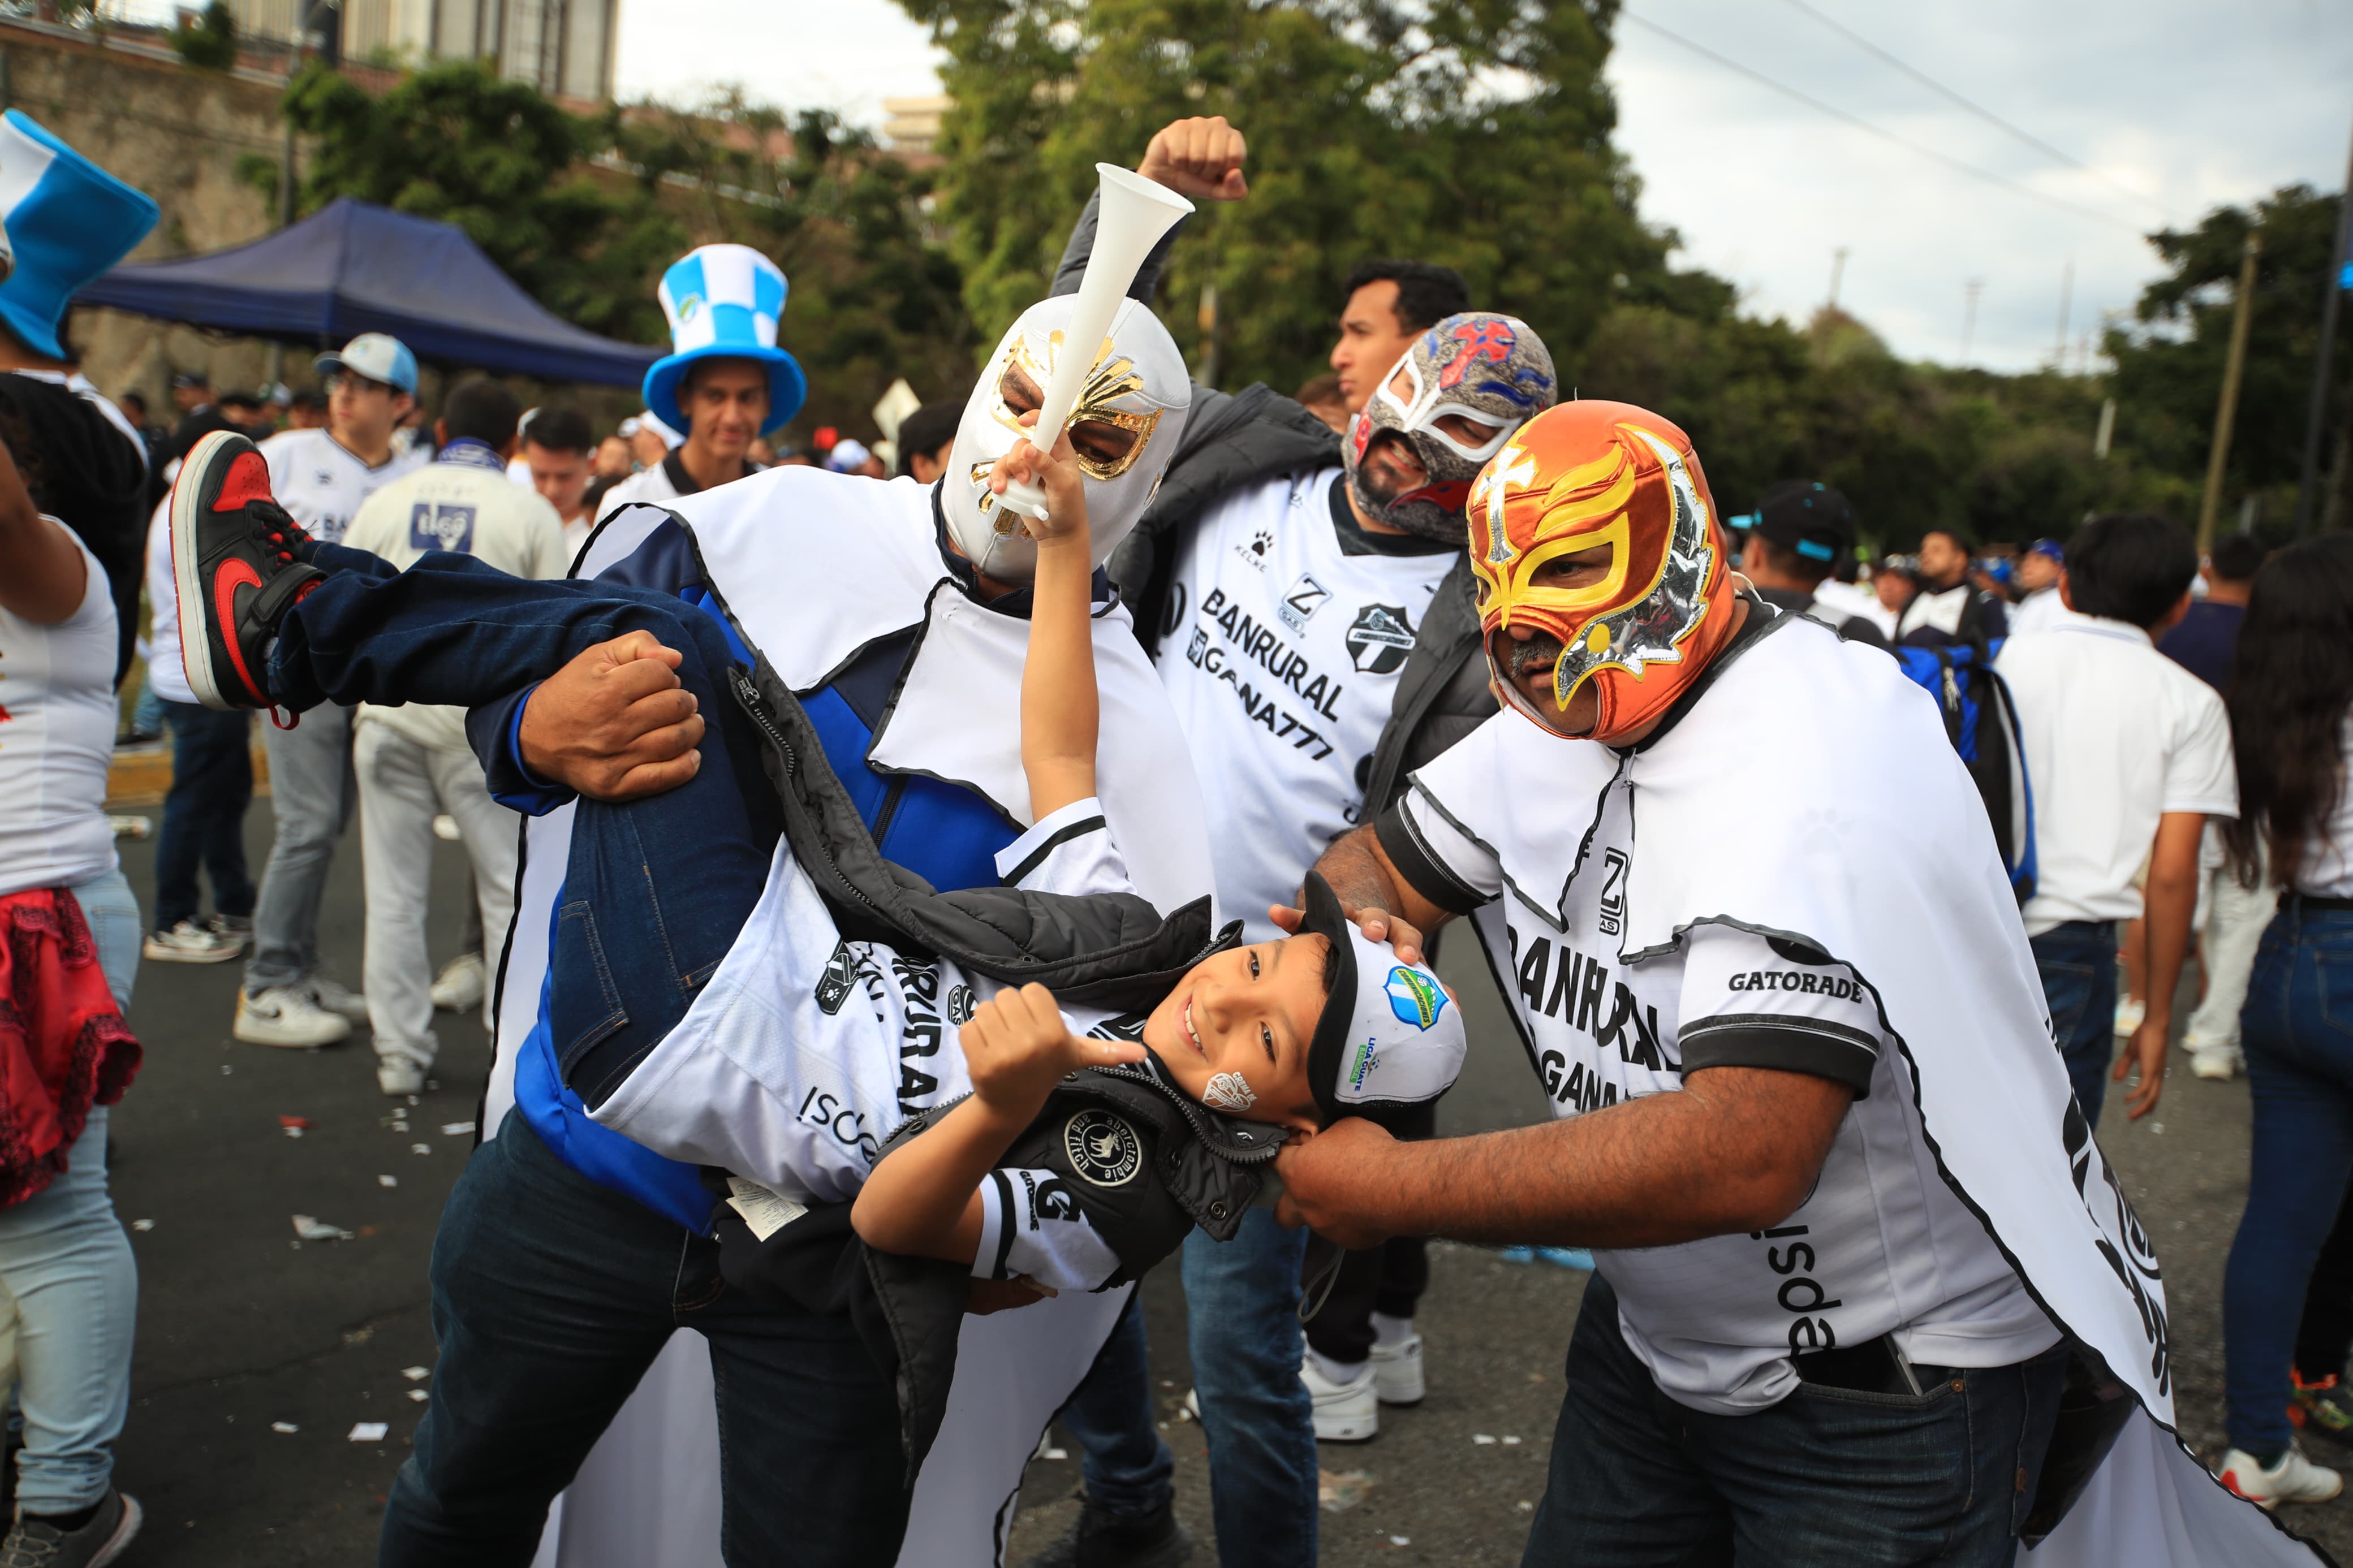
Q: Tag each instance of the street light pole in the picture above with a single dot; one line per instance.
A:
(2315, 412)
(2241, 315)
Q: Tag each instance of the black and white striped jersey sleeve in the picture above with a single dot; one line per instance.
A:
(1069, 851)
(1769, 1002)
(1032, 1226)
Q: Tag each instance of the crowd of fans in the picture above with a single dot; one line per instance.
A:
(2182, 719)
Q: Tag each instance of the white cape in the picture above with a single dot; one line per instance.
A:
(1830, 740)
(814, 566)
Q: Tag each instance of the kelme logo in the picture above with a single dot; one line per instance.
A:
(1414, 997)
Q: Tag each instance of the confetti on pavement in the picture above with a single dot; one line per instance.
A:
(367, 1432)
(310, 1227)
(455, 1129)
(285, 1426)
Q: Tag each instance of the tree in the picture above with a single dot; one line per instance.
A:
(1470, 132)
(2170, 359)
(208, 41)
(500, 161)
(873, 296)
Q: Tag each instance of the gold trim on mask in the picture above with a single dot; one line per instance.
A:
(1108, 380)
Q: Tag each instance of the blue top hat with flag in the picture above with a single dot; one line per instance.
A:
(724, 302)
(68, 219)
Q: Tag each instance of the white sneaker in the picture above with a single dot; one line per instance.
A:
(1396, 1372)
(2216, 1061)
(188, 943)
(459, 988)
(2129, 1014)
(2293, 1479)
(1344, 1412)
(337, 999)
(238, 929)
(400, 1074)
(286, 1016)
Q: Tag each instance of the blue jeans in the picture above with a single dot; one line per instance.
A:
(551, 1297)
(1241, 1302)
(2297, 1032)
(1126, 1466)
(2078, 964)
(656, 890)
(64, 1260)
(1827, 1478)
(204, 814)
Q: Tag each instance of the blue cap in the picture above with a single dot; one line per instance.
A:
(725, 302)
(68, 219)
(2051, 547)
(378, 356)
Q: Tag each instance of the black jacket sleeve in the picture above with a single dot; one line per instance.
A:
(1081, 245)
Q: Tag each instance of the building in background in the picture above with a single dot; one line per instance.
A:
(913, 124)
(563, 48)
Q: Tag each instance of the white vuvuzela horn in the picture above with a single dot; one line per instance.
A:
(1131, 214)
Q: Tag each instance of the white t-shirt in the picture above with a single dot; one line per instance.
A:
(2116, 735)
(805, 1052)
(1281, 657)
(2036, 612)
(57, 739)
(465, 503)
(165, 672)
(1881, 1246)
(322, 484)
(2328, 861)
(1835, 602)
(658, 485)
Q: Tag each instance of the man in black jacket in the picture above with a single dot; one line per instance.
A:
(1309, 607)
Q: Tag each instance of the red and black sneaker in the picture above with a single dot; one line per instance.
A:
(233, 561)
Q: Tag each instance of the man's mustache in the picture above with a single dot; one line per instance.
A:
(1535, 655)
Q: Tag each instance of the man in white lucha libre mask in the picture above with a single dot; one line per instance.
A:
(1129, 418)
(895, 615)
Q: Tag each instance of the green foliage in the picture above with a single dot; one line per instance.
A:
(873, 296)
(209, 41)
(2169, 360)
(502, 162)
(1472, 133)
(586, 214)
(260, 172)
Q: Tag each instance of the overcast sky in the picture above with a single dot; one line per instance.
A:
(2192, 102)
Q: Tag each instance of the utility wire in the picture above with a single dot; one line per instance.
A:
(1987, 115)
(1861, 124)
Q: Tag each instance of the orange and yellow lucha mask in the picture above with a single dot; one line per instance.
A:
(1576, 477)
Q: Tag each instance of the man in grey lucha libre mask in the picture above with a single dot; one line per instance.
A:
(1450, 404)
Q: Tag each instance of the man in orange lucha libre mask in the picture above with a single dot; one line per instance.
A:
(1808, 1116)
(1603, 588)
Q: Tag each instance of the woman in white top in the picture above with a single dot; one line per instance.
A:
(71, 951)
(2288, 700)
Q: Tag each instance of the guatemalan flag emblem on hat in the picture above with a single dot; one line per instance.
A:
(725, 302)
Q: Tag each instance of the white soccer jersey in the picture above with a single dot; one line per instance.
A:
(1280, 654)
(1883, 1245)
(320, 482)
(805, 1052)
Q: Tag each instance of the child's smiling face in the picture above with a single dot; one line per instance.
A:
(1248, 1013)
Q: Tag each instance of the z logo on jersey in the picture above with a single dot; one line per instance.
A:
(1299, 604)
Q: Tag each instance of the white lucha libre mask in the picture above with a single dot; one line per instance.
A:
(1124, 427)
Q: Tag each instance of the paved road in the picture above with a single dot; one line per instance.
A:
(239, 1328)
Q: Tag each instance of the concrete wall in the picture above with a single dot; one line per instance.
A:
(177, 135)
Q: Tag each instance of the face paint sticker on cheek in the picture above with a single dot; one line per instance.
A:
(1229, 1092)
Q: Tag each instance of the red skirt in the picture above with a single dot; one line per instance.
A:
(64, 1046)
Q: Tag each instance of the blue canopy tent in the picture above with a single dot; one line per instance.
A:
(356, 267)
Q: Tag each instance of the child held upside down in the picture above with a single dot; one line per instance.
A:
(1090, 1139)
